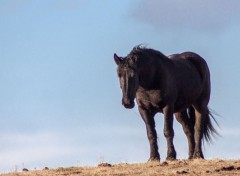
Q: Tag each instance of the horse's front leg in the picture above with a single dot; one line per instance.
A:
(148, 118)
(168, 132)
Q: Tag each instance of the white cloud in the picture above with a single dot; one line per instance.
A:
(17, 149)
(86, 145)
(55, 149)
(199, 14)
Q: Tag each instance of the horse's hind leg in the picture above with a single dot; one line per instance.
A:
(188, 128)
(200, 114)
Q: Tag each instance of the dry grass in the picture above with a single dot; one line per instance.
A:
(180, 167)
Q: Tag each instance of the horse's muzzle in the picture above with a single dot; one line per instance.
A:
(128, 104)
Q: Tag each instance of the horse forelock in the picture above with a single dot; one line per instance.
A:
(124, 64)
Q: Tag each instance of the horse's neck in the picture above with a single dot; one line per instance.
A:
(151, 74)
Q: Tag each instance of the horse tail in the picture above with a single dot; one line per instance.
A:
(209, 131)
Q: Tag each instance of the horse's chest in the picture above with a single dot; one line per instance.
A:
(151, 100)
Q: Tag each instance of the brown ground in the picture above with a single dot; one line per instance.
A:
(180, 167)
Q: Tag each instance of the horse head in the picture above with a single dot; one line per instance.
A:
(128, 77)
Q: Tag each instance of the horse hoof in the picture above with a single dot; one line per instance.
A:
(198, 155)
(171, 158)
(190, 157)
(154, 159)
(171, 155)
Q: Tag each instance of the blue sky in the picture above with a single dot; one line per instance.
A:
(60, 101)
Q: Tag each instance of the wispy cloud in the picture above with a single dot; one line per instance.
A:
(86, 147)
(56, 148)
(211, 15)
(26, 149)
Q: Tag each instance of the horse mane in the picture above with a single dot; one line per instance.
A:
(142, 51)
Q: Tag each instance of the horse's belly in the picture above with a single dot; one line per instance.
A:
(186, 99)
(180, 107)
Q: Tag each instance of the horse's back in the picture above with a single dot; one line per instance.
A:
(196, 60)
(191, 56)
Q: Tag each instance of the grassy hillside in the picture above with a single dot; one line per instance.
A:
(180, 167)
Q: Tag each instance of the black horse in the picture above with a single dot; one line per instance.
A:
(178, 84)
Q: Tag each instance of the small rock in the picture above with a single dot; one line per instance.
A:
(104, 165)
(25, 170)
(45, 168)
(182, 172)
(229, 168)
(164, 163)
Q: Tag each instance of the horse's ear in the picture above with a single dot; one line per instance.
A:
(117, 59)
